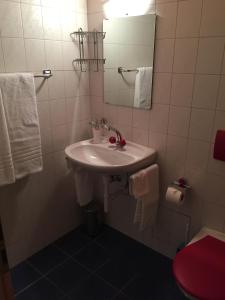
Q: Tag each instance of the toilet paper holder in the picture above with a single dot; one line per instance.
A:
(181, 183)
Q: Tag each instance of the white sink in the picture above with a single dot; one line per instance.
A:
(107, 158)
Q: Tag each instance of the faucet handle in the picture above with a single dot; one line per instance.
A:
(104, 121)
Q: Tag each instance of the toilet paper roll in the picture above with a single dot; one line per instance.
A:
(175, 195)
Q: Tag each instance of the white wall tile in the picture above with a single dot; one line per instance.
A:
(189, 18)
(213, 21)
(160, 95)
(215, 166)
(14, 54)
(175, 156)
(32, 21)
(10, 19)
(68, 24)
(164, 50)
(44, 114)
(179, 120)
(54, 57)
(2, 65)
(210, 54)
(157, 141)
(50, 3)
(159, 118)
(59, 137)
(41, 88)
(34, 2)
(214, 189)
(219, 123)
(124, 115)
(213, 216)
(70, 52)
(81, 6)
(51, 23)
(71, 84)
(35, 54)
(205, 91)
(57, 86)
(223, 68)
(182, 89)
(141, 118)
(221, 98)
(140, 136)
(201, 124)
(197, 156)
(58, 111)
(185, 55)
(166, 20)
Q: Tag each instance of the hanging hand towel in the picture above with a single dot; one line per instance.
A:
(144, 187)
(143, 83)
(20, 107)
(84, 186)
(6, 164)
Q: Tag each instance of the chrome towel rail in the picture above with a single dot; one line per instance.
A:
(122, 70)
(45, 74)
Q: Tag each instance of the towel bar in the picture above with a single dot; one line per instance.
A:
(45, 74)
(122, 70)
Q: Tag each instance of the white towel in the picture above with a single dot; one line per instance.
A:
(84, 186)
(6, 164)
(143, 84)
(144, 186)
(22, 125)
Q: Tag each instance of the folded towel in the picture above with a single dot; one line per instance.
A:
(143, 84)
(144, 186)
(20, 110)
(6, 164)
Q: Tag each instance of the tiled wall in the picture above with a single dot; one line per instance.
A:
(34, 34)
(188, 108)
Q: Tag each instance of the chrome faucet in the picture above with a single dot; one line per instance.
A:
(120, 141)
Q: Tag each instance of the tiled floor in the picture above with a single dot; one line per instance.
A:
(111, 266)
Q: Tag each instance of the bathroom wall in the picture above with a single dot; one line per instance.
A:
(188, 108)
(34, 35)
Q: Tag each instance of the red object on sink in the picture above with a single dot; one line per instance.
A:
(219, 146)
(122, 142)
(112, 139)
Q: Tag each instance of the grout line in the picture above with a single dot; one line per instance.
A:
(170, 96)
(193, 90)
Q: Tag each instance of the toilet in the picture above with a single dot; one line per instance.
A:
(199, 268)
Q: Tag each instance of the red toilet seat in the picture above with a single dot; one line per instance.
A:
(200, 269)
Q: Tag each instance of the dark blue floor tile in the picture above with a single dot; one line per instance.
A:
(73, 241)
(68, 275)
(92, 256)
(150, 288)
(22, 276)
(118, 271)
(47, 259)
(120, 296)
(41, 290)
(93, 289)
(114, 241)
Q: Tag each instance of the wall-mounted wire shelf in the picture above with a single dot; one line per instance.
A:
(45, 74)
(85, 63)
(88, 34)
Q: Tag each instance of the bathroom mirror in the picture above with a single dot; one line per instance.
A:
(128, 46)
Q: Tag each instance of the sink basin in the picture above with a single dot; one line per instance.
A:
(108, 158)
